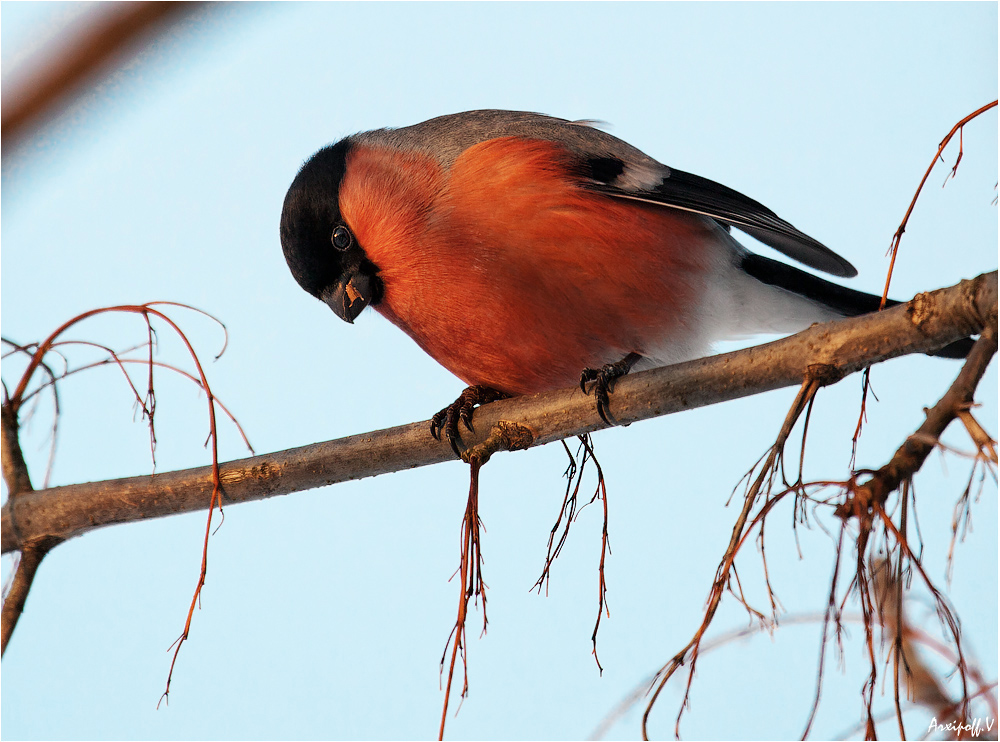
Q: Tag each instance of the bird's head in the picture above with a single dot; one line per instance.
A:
(321, 249)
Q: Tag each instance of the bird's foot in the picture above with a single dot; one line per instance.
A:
(605, 378)
(446, 421)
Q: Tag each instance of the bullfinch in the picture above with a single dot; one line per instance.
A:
(527, 253)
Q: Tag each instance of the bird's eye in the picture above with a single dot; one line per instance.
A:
(342, 238)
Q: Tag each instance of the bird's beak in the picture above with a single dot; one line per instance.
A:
(352, 293)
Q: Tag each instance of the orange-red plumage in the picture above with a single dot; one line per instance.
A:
(525, 252)
(508, 244)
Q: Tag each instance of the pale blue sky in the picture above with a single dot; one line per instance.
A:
(326, 612)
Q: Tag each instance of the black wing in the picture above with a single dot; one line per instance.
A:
(693, 193)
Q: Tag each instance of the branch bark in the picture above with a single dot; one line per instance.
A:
(13, 605)
(15, 475)
(834, 350)
(15, 471)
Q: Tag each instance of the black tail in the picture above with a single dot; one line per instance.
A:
(845, 301)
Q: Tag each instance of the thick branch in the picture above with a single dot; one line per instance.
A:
(832, 351)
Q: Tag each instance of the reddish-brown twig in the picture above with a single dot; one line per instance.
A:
(602, 585)
(118, 359)
(504, 436)
(472, 586)
(567, 516)
(894, 245)
(898, 236)
(147, 312)
(817, 377)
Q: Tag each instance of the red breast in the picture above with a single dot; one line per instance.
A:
(507, 245)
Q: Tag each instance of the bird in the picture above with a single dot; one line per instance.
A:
(527, 253)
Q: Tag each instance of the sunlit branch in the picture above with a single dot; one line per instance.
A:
(928, 322)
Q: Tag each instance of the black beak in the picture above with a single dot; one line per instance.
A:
(352, 293)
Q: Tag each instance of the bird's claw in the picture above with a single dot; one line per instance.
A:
(447, 420)
(604, 380)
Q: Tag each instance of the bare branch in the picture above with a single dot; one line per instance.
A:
(15, 471)
(15, 474)
(910, 456)
(928, 322)
(13, 604)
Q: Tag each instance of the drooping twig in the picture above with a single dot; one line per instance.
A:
(35, 546)
(567, 515)
(601, 493)
(471, 586)
(949, 621)
(688, 655)
(865, 503)
(922, 685)
(504, 436)
(565, 519)
(955, 401)
(116, 358)
(833, 615)
(962, 514)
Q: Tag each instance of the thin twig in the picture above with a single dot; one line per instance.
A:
(40, 544)
(894, 245)
(689, 654)
(504, 436)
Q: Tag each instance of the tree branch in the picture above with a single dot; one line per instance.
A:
(910, 456)
(13, 605)
(928, 322)
(15, 471)
(15, 475)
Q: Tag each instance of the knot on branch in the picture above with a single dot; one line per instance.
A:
(921, 310)
(973, 306)
(504, 436)
(981, 293)
(862, 499)
(823, 374)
